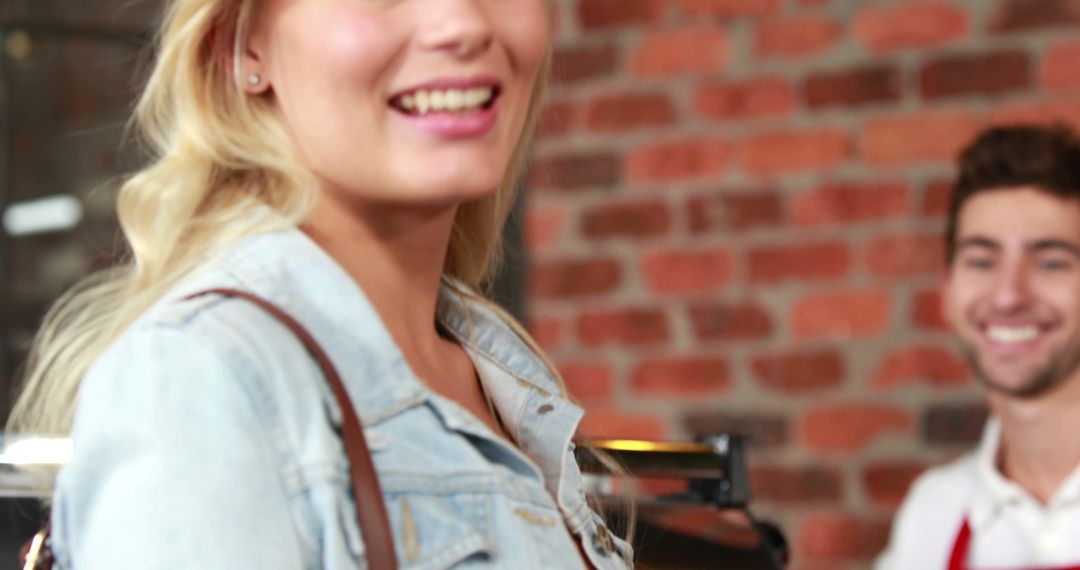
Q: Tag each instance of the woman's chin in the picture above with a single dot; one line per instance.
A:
(453, 191)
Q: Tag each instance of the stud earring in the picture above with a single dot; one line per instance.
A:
(254, 80)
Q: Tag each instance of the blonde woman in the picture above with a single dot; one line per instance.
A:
(353, 162)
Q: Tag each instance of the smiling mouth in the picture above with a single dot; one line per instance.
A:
(1012, 334)
(463, 101)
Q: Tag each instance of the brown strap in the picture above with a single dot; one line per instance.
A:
(370, 507)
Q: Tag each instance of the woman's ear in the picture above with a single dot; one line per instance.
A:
(251, 68)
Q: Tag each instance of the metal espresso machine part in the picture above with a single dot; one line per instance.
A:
(705, 524)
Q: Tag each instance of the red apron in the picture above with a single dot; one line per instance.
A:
(959, 555)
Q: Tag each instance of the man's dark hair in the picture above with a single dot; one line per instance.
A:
(1046, 157)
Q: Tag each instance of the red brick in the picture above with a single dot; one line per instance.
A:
(853, 87)
(611, 13)
(606, 423)
(763, 429)
(887, 483)
(796, 486)
(726, 321)
(658, 487)
(628, 111)
(935, 203)
(799, 372)
(573, 64)
(548, 332)
(910, 25)
(682, 51)
(682, 376)
(630, 326)
(905, 255)
(765, 97)
(847, 203)
(1038, 111)
(678, 160)
(588, 381)
(574, 171)
(801, 36)
(836, 536)
(954, 423)
(795, 151)
(681, 271)
(739, 211)
(850, 428)
(930, 364)
(927, 312)
(772, 264)
(627, 220)
(1026, 15)
(1061, 65)
(841, 314)
(557, 118)
(543, 226)
(730, 8)
(574, 277)
(962, 75)
(935, 136)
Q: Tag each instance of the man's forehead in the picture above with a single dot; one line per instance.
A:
(1019, 215)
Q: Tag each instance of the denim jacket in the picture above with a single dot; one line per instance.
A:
(205, 437)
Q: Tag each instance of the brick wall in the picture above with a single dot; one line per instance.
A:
(734, 221)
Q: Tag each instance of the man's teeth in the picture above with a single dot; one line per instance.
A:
(1012, 334)
(453, 100)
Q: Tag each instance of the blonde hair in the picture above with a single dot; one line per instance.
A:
(217, 153)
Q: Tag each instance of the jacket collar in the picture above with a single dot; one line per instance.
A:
(291, 270)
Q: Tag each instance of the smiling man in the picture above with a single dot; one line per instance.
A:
(1011, 292)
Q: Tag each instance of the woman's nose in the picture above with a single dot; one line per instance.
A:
(461, 28)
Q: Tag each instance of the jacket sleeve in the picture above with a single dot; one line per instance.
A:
(173, 466)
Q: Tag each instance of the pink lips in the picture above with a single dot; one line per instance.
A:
(452, 125)
(455, 126)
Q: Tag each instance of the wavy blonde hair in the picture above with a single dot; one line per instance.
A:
(217, 153)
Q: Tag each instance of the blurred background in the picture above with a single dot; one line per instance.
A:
(732, 221)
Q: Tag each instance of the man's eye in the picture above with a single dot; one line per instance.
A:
(980, 263)
(1053, 265)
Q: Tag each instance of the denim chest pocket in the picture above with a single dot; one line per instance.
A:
(432, 530)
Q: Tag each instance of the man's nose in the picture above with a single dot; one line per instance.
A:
(1012, 288)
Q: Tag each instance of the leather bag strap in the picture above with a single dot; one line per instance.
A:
(367, 494)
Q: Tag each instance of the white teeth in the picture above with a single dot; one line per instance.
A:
(452, 100)
(477, 97)
(455, 100)
(1012, 334)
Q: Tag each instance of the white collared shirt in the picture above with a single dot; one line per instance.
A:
(1010, 528)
